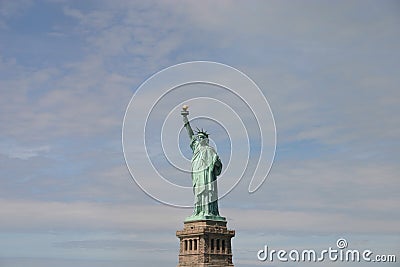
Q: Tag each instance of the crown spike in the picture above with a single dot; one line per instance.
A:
(202, 132)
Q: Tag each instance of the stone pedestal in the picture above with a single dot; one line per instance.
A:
(205, 243)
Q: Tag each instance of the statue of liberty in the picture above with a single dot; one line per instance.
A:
(206, 166)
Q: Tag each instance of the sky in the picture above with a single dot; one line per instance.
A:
(329, 72)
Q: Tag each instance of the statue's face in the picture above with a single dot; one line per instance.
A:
(203, 140)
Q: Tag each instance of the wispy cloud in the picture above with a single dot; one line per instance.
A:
(19, 152)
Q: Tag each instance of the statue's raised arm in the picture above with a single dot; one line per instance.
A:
(185, 113)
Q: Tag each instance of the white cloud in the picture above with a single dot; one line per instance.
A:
(83, 216)
(19, 152)
(85, 101)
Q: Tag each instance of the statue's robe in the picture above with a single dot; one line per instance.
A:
(206, 166)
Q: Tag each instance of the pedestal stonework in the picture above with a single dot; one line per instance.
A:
(205, 243)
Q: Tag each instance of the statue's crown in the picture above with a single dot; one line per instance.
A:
(202, 132)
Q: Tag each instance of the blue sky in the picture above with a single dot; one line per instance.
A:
(68, 69)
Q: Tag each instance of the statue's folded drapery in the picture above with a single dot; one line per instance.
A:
(206, 166)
